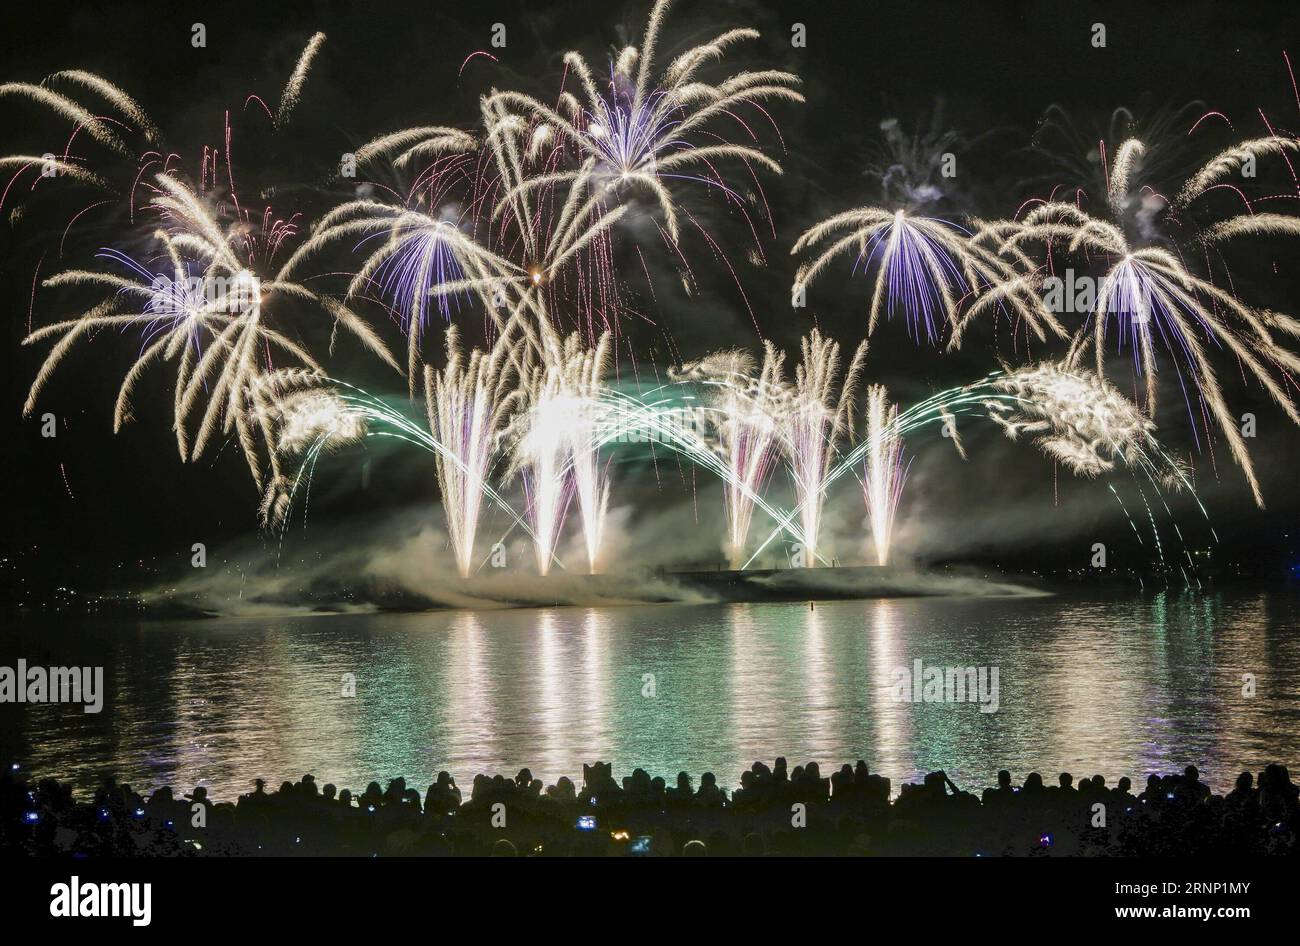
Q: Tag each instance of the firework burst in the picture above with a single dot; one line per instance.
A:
(926, 268)
(209, 313)
(639, 129)
(1150, 298)
(418, 261)
(1073, 416)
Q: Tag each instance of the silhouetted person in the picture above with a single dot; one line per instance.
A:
(1193, 785)
(709, 795)
(1003, 793)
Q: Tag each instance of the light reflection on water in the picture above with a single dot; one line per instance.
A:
(1120, 686)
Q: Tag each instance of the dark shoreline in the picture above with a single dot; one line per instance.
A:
(648, 587)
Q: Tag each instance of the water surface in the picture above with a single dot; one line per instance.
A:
(1117, 685)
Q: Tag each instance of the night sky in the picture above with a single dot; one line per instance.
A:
(90, 500)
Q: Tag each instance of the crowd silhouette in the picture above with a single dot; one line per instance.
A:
(774, 811)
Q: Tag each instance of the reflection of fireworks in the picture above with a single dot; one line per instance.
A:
(884, 473)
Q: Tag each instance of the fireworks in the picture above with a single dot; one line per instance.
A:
(541, 448)
(925, 267)
(748, 411)
(638, 131)
(209, 314)
(99, 129)
(169, 307)
(819, 417)
(233, 355)
(316, 416)
(1150, 295)
(293, 89)
(420, 260)
(586, 434)
(519, 216)
(1073, 415)
(468, 402)
(207, 301)
(548, 242)
(883, 470)
(557, 438)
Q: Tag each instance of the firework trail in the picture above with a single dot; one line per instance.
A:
(559, 413)
(884, 472)
(292, 93)
(467, 403)
(425, 257)
(586, 433)
(747, 412)
(1040, 401)
(820, 415)
(103, 130)
(133, 145)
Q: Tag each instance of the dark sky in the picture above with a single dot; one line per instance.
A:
(94, 499)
